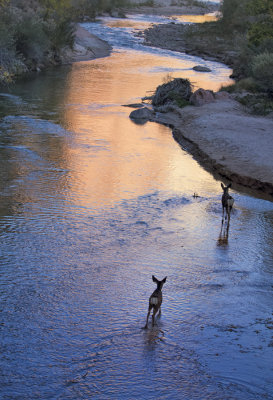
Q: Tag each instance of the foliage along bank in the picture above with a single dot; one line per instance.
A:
(33, 33)
(245, 32)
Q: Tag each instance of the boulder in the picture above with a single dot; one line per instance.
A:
(202, 96)
(133, 105)
(143, 114)
(201, 68)
(222, 95)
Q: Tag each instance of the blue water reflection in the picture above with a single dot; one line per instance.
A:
(91, 206)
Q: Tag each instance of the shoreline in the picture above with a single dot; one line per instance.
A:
(227, 141)
(210, 133)
(160, 8)
(87, 47)
(171, 37)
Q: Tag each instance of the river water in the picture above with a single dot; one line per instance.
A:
(92, 205)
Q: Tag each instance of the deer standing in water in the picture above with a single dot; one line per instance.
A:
(227, 202)
(155, 300)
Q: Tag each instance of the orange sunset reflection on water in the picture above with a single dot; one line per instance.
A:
(197, 19)
(114, 158)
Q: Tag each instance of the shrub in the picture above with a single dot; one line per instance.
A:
(261, 70)
(11, 63)
(178, 90)
(234, 15)
(246, 84)
(261, 31)
(257, 103)
(61, 33)
(30, 37)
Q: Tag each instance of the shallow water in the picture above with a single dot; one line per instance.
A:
(91, 206)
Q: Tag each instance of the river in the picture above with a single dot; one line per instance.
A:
(92, 205)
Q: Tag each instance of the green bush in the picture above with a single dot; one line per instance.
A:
(61, 33)
(257, 103)
(234, 16)
(246, 84)
(266, 46)
(261, 71)
(261, 31)
(11, 63)
(30, 37)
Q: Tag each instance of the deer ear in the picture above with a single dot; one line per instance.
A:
(154, 279)
(222, 186)
(164, 280)
(229, 185)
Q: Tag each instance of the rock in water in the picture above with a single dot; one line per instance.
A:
(141, 114)
(201, 68)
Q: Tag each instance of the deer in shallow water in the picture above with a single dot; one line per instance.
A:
(227, 202)
(155, 300)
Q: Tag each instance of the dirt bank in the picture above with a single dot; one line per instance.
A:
(165, 8)
(86, 47)
(227, 140)
(174, 37)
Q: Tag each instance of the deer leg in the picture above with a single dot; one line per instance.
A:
(149, 310)
(227, 213)
(153, 316)
(223, 212)
(227, 229)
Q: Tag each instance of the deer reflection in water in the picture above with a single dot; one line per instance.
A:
(223, 236)
(155, 335)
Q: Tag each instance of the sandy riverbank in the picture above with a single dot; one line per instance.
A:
(86, 47)
(227, 141)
